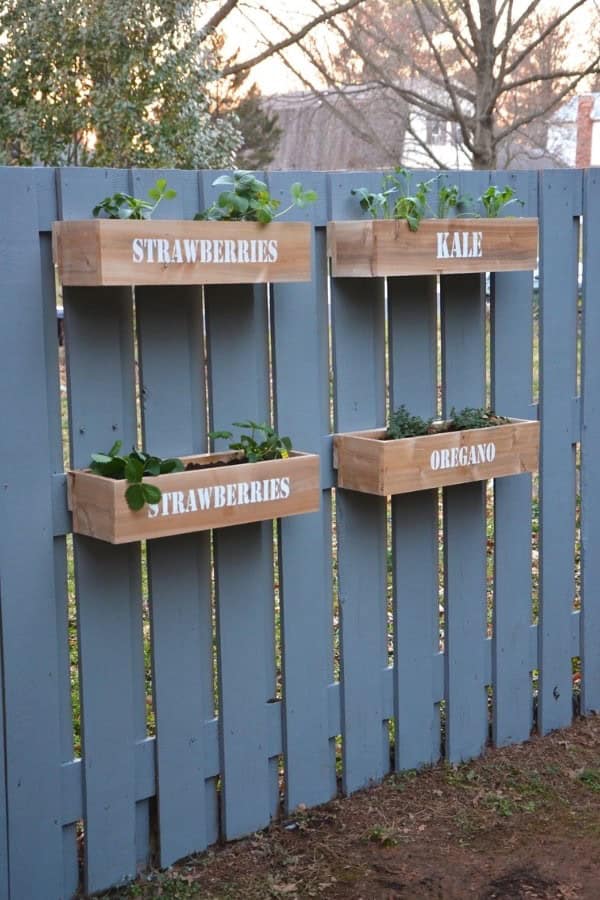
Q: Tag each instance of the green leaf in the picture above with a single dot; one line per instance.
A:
(114, 450)
(102, 458)
(160, 184)
(171, 465)
(153, 466)
(307, 197)
(223, 179)
(170, 194)
(134, 496)
(151, 493)
(264, 216)
(154, 194)
(134, 470)
(216, 435)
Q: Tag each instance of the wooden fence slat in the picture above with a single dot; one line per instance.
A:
(300, 344)
(463, 372)
(511, 361)
(70, 852)
(4, 886)
(560, 204)
(31, 667)
(590, 450)
(358, 316)
(101, 386)
(412, 304)
(171, 346)
(237, 329)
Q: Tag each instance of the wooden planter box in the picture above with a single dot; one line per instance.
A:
(196, 500)
(106, 252)
(380, 247)
(367, 463)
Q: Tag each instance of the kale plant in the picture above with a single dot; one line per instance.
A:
(133, 468)
(272, 446)
(396, 200)
(124, 206)
(248, 200)
(495, 199)
(453, 204)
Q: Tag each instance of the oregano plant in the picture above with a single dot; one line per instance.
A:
(474, 417)
(133, 467)
(403, 424)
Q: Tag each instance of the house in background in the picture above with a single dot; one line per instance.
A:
(369, 127)
(357, 128)
(574, 132)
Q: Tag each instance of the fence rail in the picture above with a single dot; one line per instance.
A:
(195, 686)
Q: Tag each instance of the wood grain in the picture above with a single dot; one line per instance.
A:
(101, 511)
(105, 252)
(367, 248)
(367, 463)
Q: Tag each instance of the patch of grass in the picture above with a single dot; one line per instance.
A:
(385, 837)
(591, 779)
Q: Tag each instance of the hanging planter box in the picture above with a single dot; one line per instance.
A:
(380, 247)
(368, 463)
(198, 499)
(108, 253)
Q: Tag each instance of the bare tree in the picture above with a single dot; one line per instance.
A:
(495, 69)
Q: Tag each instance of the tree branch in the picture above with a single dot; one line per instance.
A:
(292, 39)
(458, 114)
(551, 76)
(221, 14)
(552, 26)
(538, 113)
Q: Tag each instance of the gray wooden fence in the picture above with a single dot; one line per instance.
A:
(273, 666)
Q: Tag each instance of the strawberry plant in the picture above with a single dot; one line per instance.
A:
(262, 443)
(132, 468)
(247, 199)
(124, 206)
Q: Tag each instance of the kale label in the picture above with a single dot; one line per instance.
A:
(459, 244)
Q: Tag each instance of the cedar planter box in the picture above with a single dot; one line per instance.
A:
(196, 500)
(108, 253)
(367, 463)
(380, 247)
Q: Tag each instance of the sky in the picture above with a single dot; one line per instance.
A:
(244, 30)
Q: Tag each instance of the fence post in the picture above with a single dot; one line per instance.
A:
(27, 575)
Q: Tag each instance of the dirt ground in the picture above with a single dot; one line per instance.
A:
(522, 823)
